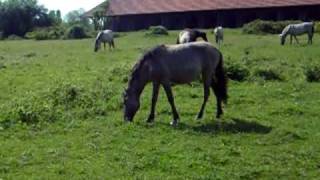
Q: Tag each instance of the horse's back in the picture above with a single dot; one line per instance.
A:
(301, 28)
(106, 35)
(185, 62)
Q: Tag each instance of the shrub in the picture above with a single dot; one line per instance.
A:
(237, 72)
(1, 35)
(269, 74)
(312, 73)
(14, 37)
(76, 32)
(266, 27)
(157, 30)
(48, 33)
(317, 27)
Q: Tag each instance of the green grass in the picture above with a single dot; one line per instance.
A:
(61, 115)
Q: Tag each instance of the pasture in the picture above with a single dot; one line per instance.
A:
(61, 113)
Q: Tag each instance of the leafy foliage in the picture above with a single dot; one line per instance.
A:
(266, 27)
(26, 14)
(76, 32)
(237, 72)
(157, 30)
(312, 73)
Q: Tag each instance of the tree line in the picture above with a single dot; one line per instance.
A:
(20, 17)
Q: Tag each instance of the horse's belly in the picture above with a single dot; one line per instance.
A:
(184, 78)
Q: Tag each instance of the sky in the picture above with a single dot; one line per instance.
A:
(66, 6)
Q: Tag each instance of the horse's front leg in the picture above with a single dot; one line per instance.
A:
(206, 91)
(291, 39)
(104, 45)
(295, 37)
(155, 93)
(310, 38)
(168, 90)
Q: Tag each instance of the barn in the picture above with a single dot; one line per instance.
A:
(128, 15)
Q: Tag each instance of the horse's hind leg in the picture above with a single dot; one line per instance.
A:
(310, 36)
(168, 91)
(206, 90)
(214, 87)
(156, 87)
(112, 43)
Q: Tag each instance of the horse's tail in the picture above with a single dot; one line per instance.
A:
(221, 83)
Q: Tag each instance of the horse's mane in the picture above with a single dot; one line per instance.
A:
(150, 54)
(99, 35)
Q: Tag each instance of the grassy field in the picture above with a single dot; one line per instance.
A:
(61, 114)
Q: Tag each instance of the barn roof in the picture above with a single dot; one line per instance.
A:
(132, 7)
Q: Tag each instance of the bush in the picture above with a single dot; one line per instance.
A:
(14, 37)
(317, 27)
(60, 101)
(1, 35)
(312, 73)
(76, 32)
(157, 30)
(266, 27)
(49, 33)
(237, 72)
(269, 74)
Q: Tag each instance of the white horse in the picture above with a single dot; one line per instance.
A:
(218, 33)
(297, 29)
(104, 37)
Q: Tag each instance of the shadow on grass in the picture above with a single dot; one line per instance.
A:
(237, 126)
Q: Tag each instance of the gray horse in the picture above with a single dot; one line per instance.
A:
(295, 30)
(104, 37)
(178, 64)
(218, 33)
(191, 35)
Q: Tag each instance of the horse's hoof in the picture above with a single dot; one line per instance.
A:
(174, 123)
(199, 117)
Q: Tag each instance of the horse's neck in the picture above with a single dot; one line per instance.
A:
(137, 84)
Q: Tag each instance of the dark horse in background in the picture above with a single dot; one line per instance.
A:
(191, 35)
(178, 64)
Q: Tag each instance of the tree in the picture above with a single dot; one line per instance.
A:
(55, 17)
(76, 17)
(20, 16)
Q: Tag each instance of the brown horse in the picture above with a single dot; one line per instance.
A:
(178, 64)
(191, 35)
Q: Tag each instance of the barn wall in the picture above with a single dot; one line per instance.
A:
(210, 19)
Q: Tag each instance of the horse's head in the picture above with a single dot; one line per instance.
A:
(203, 35)
(131, 105)
(97, 46)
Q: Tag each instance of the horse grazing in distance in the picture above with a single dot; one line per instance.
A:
(295, 30)
(191, 35)
(218, 33)
(104, 37)
(178, 64)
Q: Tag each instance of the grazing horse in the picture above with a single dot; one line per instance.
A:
(178, 64)
(218, 33)
(104, 37)
(297, 29)
(191, 35)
